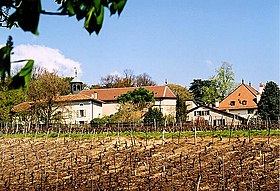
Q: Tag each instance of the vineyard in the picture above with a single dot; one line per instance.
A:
(134, 163)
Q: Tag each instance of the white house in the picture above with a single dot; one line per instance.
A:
(165, 99)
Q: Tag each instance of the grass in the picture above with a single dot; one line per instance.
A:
(151, 135)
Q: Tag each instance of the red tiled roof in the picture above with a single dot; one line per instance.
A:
(111, 94)
(26, 106)
(243, 97)
(75, 97)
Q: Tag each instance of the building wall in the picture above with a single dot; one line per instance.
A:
(80, 112)
(109, 109)
(167, 106)
(210, 117)
(246, 113)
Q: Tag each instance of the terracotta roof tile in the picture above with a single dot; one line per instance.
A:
(243, 97)
(111, 94)
(26, 106)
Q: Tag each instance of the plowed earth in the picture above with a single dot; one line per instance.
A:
(131, 163)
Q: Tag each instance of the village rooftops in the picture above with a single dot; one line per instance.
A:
(112, 94)
(26, 106)
(243, 97)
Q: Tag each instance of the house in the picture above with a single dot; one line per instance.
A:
(84, 105)
(205, 115)
(242, 101)
(74, 108)
(165, 99)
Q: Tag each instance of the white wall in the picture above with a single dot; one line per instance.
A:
(81, 112)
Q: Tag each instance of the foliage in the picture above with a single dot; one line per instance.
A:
(22, 78)
(269, 104)
(101, 121)
(8, 99)
(224, 80)
(181, 109)
(210, 92)
(180, 91)
(26, 14)
(216, 88)
(128, 79)
(44, 91)
(138, 97)
(197, 91)
(154, 115)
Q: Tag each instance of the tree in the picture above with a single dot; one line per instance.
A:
(210, 93)
(216, 88)
(133, 103)
(144, 80)
(128, 79)
(269, 104)
(154, 115)
(180, 91)
(139, 97)
(8, 99)
(44, 91)
(181, 109)
(197, 90)
(182, 95)
(224, 80)
(26, 14)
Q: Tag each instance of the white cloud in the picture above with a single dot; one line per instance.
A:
(49, 58)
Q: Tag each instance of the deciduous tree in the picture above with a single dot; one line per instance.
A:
(44, 91)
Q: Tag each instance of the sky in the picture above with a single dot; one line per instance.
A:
(177, 41)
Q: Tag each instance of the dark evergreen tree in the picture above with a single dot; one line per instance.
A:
(268, 106)
(154, 114)
(181, 110)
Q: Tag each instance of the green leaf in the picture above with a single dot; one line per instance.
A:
(100, 18)
(22, 79)
(121, 5)
(27, 15)
(5, 61)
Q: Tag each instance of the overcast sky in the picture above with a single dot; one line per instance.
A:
(178, 40)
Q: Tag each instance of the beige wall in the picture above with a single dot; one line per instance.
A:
(211, 117)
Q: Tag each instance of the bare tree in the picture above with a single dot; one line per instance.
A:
(144, 80)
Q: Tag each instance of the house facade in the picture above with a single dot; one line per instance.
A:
(205, 115)
(82, 106)
(242, 101)
(165, 99)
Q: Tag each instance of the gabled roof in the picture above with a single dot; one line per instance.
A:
(76, 97)
(111, 94)
(243, 97)
(26, 106)
(217, 111)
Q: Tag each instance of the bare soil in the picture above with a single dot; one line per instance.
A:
(131, 163)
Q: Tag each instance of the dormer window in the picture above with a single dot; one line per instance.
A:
(244, 102)
(232, 103)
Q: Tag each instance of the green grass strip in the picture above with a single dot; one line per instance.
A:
(153, 135)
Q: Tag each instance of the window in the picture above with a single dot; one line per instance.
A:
(81, 104)
(250, 111)
(74, 88)
(201, 113)
(78, 87)
(244, 102)
(81, 113)
(232, 103)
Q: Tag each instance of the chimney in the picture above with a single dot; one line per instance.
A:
(217, 104)
(94, 95)
(261, 87)
(250, 84)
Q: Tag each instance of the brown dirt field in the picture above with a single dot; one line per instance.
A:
(125, 163)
